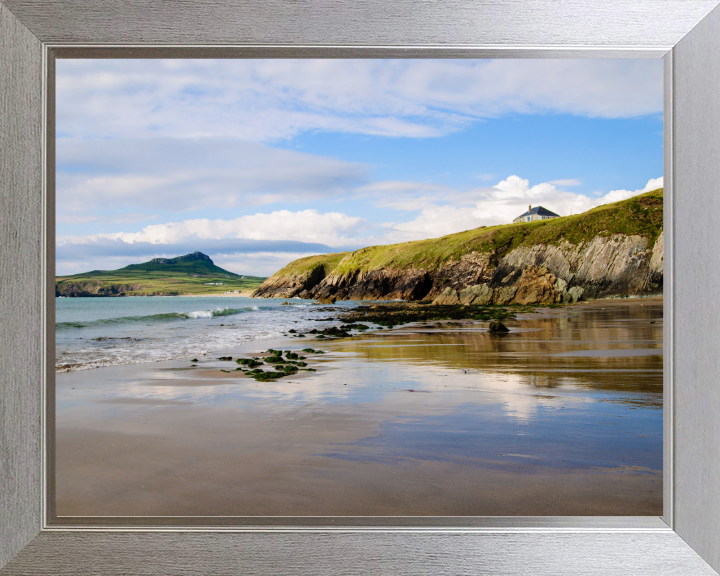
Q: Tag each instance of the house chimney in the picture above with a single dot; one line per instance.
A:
(529, 207)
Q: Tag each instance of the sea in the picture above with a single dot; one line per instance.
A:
(95, 332)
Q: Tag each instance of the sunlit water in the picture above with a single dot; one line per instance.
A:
(93, 332)
(570, 391)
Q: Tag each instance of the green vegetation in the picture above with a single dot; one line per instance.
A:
(641, 215)
(306, 266)
(391, 314)
(193, 274)
(195, 263)
(287, 366)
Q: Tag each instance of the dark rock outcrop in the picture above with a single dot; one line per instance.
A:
(291, 286)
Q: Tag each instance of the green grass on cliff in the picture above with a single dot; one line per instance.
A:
(304, 266)
(641, 215)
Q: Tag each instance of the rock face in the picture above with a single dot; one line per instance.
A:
(291, 286)
(94, 288)
(606, 266)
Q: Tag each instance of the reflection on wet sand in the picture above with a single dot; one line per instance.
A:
(561, 416)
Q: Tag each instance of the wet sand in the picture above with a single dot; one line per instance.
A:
(562, 416)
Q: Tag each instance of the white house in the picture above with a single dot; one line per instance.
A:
(537, 213)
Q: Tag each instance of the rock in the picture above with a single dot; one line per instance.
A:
(282, 286)
(284, 304)
(504, 295)
(575, 293)
(497, 327)
(479, 295)
(605, 265)
(535, 286)
(447, 296)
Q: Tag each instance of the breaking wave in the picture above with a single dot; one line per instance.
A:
(166, 317)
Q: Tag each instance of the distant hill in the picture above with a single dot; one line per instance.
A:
(191, 274)
(195, 263)
(613, 250)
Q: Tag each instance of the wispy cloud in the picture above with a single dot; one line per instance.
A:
(566, 182)
(330, 228)
(267, 100)
(184, 174)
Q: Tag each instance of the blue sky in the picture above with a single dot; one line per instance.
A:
(260, 162)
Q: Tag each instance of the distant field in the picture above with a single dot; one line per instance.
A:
(143, 282)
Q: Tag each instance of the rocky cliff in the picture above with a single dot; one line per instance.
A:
(614, 250)
(93, 288)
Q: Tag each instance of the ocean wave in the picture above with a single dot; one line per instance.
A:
(166, 317)
(74, 360)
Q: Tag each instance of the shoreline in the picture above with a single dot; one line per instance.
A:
(416, 420)
(248, 295)
(245, 294)
(344, 316)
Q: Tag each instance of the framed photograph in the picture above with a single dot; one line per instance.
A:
(324, 301)
(64, 522)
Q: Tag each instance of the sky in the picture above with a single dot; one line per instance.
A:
(260, 162)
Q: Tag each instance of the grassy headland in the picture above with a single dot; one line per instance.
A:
(641, 215)
(192, 274)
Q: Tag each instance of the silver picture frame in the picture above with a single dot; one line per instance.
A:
(685, 33)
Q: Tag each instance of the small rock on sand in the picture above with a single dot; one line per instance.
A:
(497, 326)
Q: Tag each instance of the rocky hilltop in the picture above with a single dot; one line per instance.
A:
(194, 257)
(614, 250)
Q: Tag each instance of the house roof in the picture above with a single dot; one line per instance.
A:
(540, 211)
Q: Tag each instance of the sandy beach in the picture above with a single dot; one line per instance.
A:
(561, 416)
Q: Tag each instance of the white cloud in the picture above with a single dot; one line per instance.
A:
(617, 195)
(265, 100)
(456, 211)
(331, 229)
(176, 175)
(258, 263)
(497, 205)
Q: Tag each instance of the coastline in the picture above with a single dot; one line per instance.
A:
(410, 421)
(244, 294)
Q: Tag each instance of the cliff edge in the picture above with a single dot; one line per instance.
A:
(614, 250)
